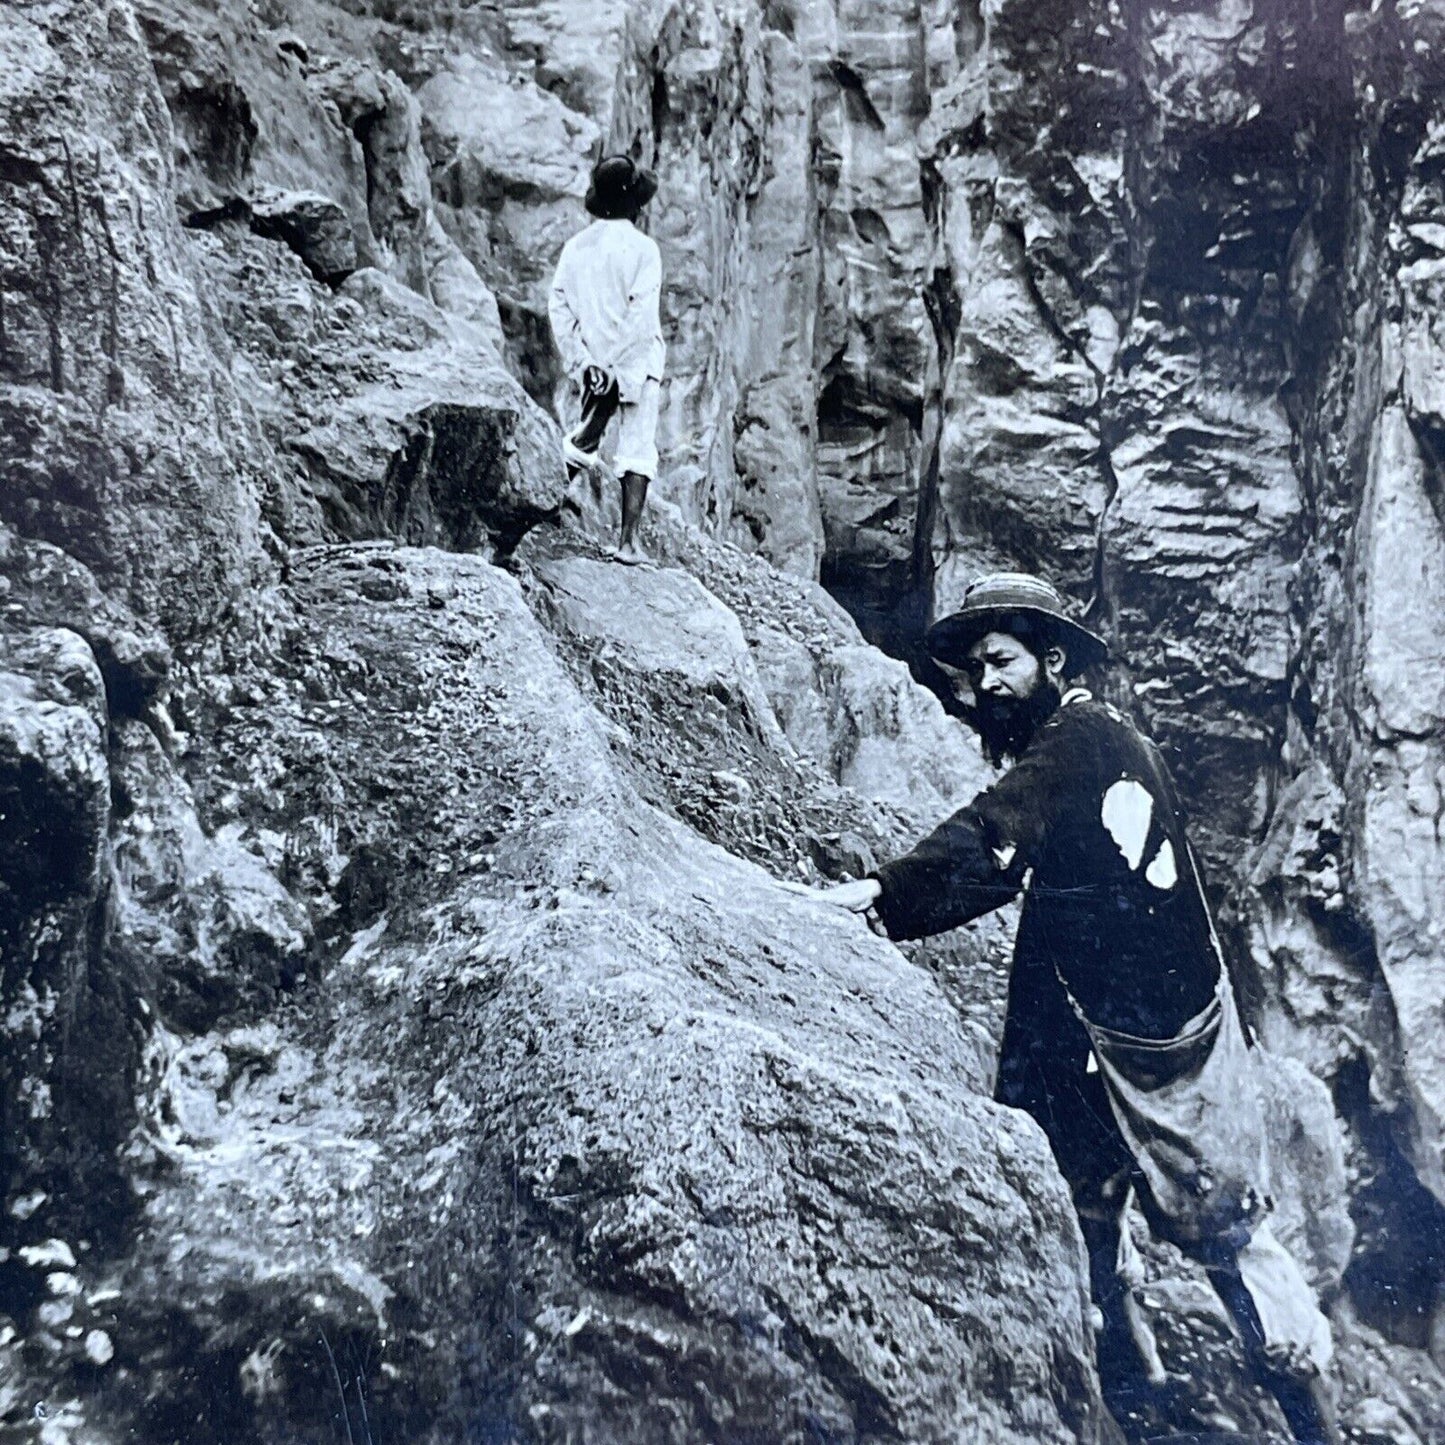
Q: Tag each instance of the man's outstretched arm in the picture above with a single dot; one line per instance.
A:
(976, 860)
(952, 877)
(949, 879)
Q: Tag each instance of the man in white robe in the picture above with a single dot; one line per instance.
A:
(605, 312)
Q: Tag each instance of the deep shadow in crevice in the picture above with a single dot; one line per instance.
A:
(659, 104)
(856, 100)
(1399, 1262)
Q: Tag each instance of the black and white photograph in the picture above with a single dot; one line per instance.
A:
(722, 722)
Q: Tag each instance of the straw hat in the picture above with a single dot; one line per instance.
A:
(999, 603)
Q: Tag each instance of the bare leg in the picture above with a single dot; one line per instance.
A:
(634, 496)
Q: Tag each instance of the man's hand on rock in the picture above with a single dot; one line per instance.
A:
(858, 897)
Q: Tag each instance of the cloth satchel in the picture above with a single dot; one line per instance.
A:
(1189, 1109)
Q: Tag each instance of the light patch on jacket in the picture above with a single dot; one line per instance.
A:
(1162, 871)
(1126, 813)
(1005, 855)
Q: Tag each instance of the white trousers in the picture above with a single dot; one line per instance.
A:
(636, 449)
(637, 432)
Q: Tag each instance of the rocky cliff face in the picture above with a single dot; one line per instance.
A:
(1141, 299)
(404, 1038)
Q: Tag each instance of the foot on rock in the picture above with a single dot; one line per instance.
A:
(632, 555)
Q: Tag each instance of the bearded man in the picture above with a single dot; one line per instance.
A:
(1121, 1037)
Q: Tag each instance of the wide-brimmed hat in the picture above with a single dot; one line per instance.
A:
(993, 603)
(619, 189)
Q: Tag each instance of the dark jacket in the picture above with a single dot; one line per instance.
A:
(1088, 822)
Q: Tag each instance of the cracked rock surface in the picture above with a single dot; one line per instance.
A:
(404, 1035)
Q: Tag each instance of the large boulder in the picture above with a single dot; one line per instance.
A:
(678, 674)
(661, 622)
(388, 415)
(442, 447)
(606, 1135)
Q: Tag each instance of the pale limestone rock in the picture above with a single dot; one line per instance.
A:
(775, 506)
(576, 48)
(791, 677)
(1403, 563)
(633, 1059)
(445, 448)
(1307, 1172)
(660, 622)
(1422, 342)
(244, 114)
(457, 287)
(894, 742)
(1398, 875)
(125, 441)
(1321, 1005)
(509, 166)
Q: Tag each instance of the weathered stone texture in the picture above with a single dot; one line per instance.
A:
(55, 810)
(594, 1096)
(395, 999)
(124, 441)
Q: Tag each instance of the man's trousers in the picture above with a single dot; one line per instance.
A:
(636, 426)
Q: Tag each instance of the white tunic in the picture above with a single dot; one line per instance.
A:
(604, 305)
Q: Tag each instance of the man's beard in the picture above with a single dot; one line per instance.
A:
(1006, 725)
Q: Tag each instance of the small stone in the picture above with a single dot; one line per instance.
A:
(51, 1254)
(98, 1348)
(732, 786)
